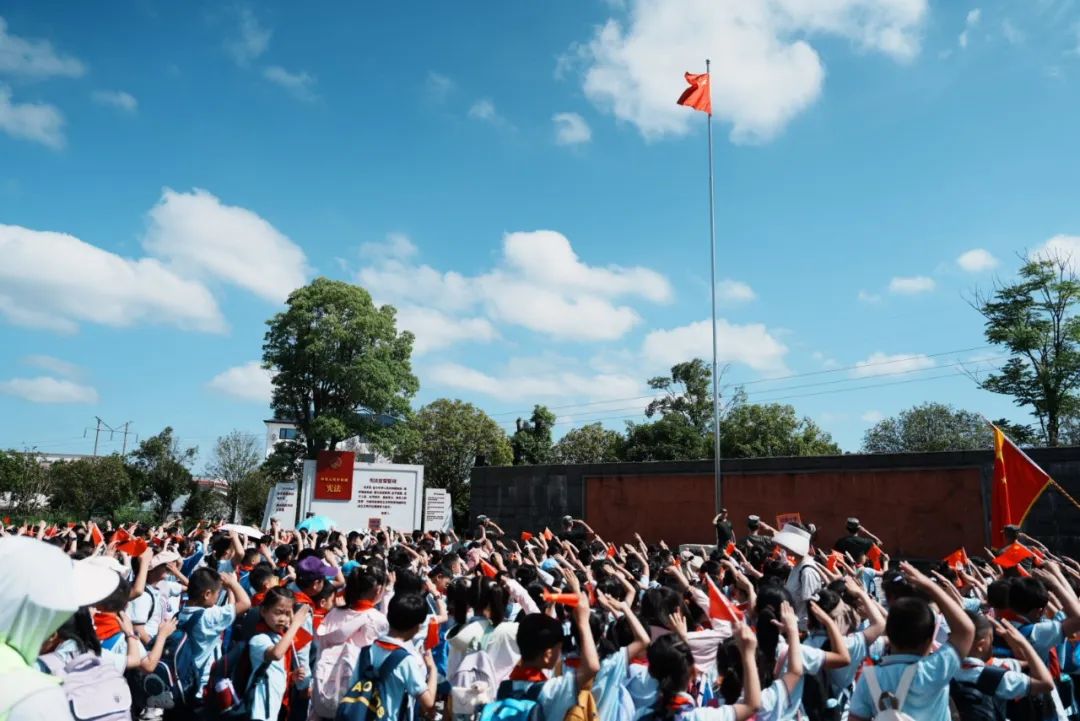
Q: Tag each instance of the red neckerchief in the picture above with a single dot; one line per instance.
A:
(639, 661)
(532, 675)
(246, 567)
(258, 598)
(317, 618)
(386, 645)
(283, 564)
(106, 625)
(363, 605)
(680, 702)
(261, 627)
(572, 662)
(305, 599)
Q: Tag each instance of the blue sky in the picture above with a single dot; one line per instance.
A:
(517, 180)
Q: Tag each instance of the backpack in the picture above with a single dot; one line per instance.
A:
(333, 673)
(817, 700)
(94, 688)
(364, 701)
(174, 682)
(977, 701)
(472, 683)
(584, 709)
(228, 676)
(512, 704)
(1034, 708)
(894, 711)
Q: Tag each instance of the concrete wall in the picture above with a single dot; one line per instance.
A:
(925, 504)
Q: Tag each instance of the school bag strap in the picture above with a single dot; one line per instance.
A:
(905, 685)
(989, 679)
(530, 693)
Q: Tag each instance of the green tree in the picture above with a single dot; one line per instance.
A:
(756, 430)
(90, 487)
(531, 442)
(236, 455)
(338, 363)
(447, 437)
(591, 443)
(671, 438)
(163, 469)
(251, 494)
(204, 504)
(23, 480)
(285, 464)
(926, 428)
(1034, 320)
(687, 392)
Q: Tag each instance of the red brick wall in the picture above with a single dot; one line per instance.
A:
(917, 512)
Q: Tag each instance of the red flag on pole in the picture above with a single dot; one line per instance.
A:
(697, 96)
(720, 606)
(1018, 483)
(487, 569)
(96, 535)
(958, 559)
(1012, 555)
(832, 560)
(526, 536)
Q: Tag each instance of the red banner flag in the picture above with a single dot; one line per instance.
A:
(1013, 554)
(720, 606)
(957, 560)
(697, 96)
(96, 535)
(874, 554)
(1018, 483)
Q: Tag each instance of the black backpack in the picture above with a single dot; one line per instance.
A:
(817, 698)
(976, 701)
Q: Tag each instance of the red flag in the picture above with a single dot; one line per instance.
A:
(302, 638)
(121, 536)
(1018, 483)
(697, 96)
(526, 536)
(1012, 555)
(720, 606)
(487, 569)
(548, 535)
(7, 520)
(432, 638)
(71, 524)
(50, 531)
(729, 549)
(134, 548)
(957, 560)
(96, 535)
(874, 554)
(1023, 572)
(611, 550)
(832, 560)
(564, 599)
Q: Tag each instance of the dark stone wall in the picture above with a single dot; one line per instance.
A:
(922, 504)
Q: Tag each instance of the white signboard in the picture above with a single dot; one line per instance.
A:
(382, 496)
(281, 504)
(438, 511)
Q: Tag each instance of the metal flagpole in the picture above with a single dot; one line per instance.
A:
(718, 487)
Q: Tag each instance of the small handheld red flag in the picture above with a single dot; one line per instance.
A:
(96, 535)
(432, 638)
(526, 536)
(121, 536)
(1012, 555)
(548, 535)
(487, 569)
(832, 561)
(611, 550)
(134, 548)
(697, 96)
(874, 554)
(957, 560)
(564, 599)
(729, 549)
(720, 606)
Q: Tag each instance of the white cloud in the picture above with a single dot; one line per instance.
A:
(300, 85)
(53, 365)
(435, 330)
(1011, 33)
(1061, 247)
(34, 59)
(439, 86)
(513, 386)
(873, 416)
(977, 260)
(751, 345)
(571, 129)
(251, 42)
(827, 362)
(44, 389)
(911, 285)
(484, 111)
(248, 382)
(970, 21)
(397, 246)
(199, 235)
(764, 73)
(879, 364)
(117, 99)
(539, 283)
(54, 280)
(866, 296)
(39, 122)
(734, 291)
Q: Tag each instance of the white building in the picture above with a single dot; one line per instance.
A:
(278, 430)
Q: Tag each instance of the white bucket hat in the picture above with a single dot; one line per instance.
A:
(793, 539)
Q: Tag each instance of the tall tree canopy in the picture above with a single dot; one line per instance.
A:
(161, 468)
(926, 428)
(236, 455)
(755, 430)
(531, 441)
(591, 443)
(90, 486)
(338, 363)
(1034, 320)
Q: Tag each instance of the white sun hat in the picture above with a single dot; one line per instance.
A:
(793, 539)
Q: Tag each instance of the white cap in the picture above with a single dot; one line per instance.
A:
(91, 582)
(793, 539)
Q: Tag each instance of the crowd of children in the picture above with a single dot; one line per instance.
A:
(227, 622)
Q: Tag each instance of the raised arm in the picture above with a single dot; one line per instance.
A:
(838, 656)
(746, 641)
(962, 630)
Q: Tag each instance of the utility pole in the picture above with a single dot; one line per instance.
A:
(97, 433)
(123, 451)
(102, 425)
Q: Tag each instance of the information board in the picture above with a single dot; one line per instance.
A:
(281, 504)
(380, 496)
(438, 510)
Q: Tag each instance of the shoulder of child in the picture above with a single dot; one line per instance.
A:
(218, 618)
(559, 692)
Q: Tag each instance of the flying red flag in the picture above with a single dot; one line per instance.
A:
(1018, 483)
(832, 560)
(874, 554)
(957, 560)
(548, 535)
(1013, 554)
(526, 536)
(96, 535)
(611, 550)
(729, 549)
(134, 548)
(720, 606)
(697, 96)
(487, 569)
(121, 536)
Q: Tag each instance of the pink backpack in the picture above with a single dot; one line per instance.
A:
(94, 688)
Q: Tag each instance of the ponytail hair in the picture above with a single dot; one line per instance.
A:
(671, 664)
(490, 595)
(730, 669)
(770, 597)
(458, 594)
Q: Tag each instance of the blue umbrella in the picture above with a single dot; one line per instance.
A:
(316, 524)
